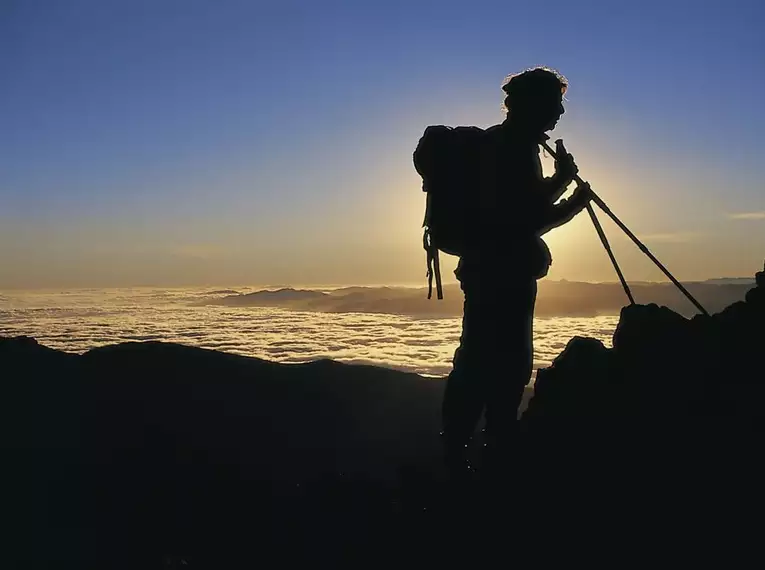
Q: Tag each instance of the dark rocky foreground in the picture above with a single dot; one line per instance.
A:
(149, 455)
(679, 372)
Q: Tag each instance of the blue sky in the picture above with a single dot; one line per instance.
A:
(230, 141)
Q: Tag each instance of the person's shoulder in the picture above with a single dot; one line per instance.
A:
(491, 135)
(495, 131)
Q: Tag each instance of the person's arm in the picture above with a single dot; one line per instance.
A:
(554, 186)
(564, 211)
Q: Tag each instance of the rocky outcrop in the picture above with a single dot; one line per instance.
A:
(133, 452)
(664, 371)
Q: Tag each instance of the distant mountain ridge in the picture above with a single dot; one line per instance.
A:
(268, 297)
(555, 298)
(730, 281)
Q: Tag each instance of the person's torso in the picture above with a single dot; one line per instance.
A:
(514, 172)
(510, 174)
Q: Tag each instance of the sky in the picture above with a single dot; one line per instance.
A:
(190, 142)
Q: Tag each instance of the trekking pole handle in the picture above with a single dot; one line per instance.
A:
(595, 198)
(577, 178)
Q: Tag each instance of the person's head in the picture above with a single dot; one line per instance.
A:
(534, 98)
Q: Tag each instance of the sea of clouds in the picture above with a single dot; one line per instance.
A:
(78, 320)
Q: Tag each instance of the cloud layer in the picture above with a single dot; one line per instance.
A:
(395, 327)
(79, 320)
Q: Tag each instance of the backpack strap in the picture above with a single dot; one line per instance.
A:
(437, 271)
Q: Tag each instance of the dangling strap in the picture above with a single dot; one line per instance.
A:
(434, 266)
(429, 251)
(437, 269)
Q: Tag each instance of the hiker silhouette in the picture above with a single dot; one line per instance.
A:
(489, 203)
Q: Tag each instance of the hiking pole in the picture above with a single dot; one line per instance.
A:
(602, 236)
(607, 246)
(602, 205)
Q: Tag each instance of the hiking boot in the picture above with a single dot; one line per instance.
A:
(456, 458)
(497, 454)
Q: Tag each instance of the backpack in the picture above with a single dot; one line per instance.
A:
(448, 159)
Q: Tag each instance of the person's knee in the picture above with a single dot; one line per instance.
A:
(478, 355)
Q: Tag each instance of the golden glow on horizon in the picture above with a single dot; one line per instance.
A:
(373, 235)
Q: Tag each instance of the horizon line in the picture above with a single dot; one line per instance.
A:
(326, 286)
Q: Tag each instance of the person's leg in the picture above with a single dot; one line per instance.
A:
(505, 391)
(465, 394)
